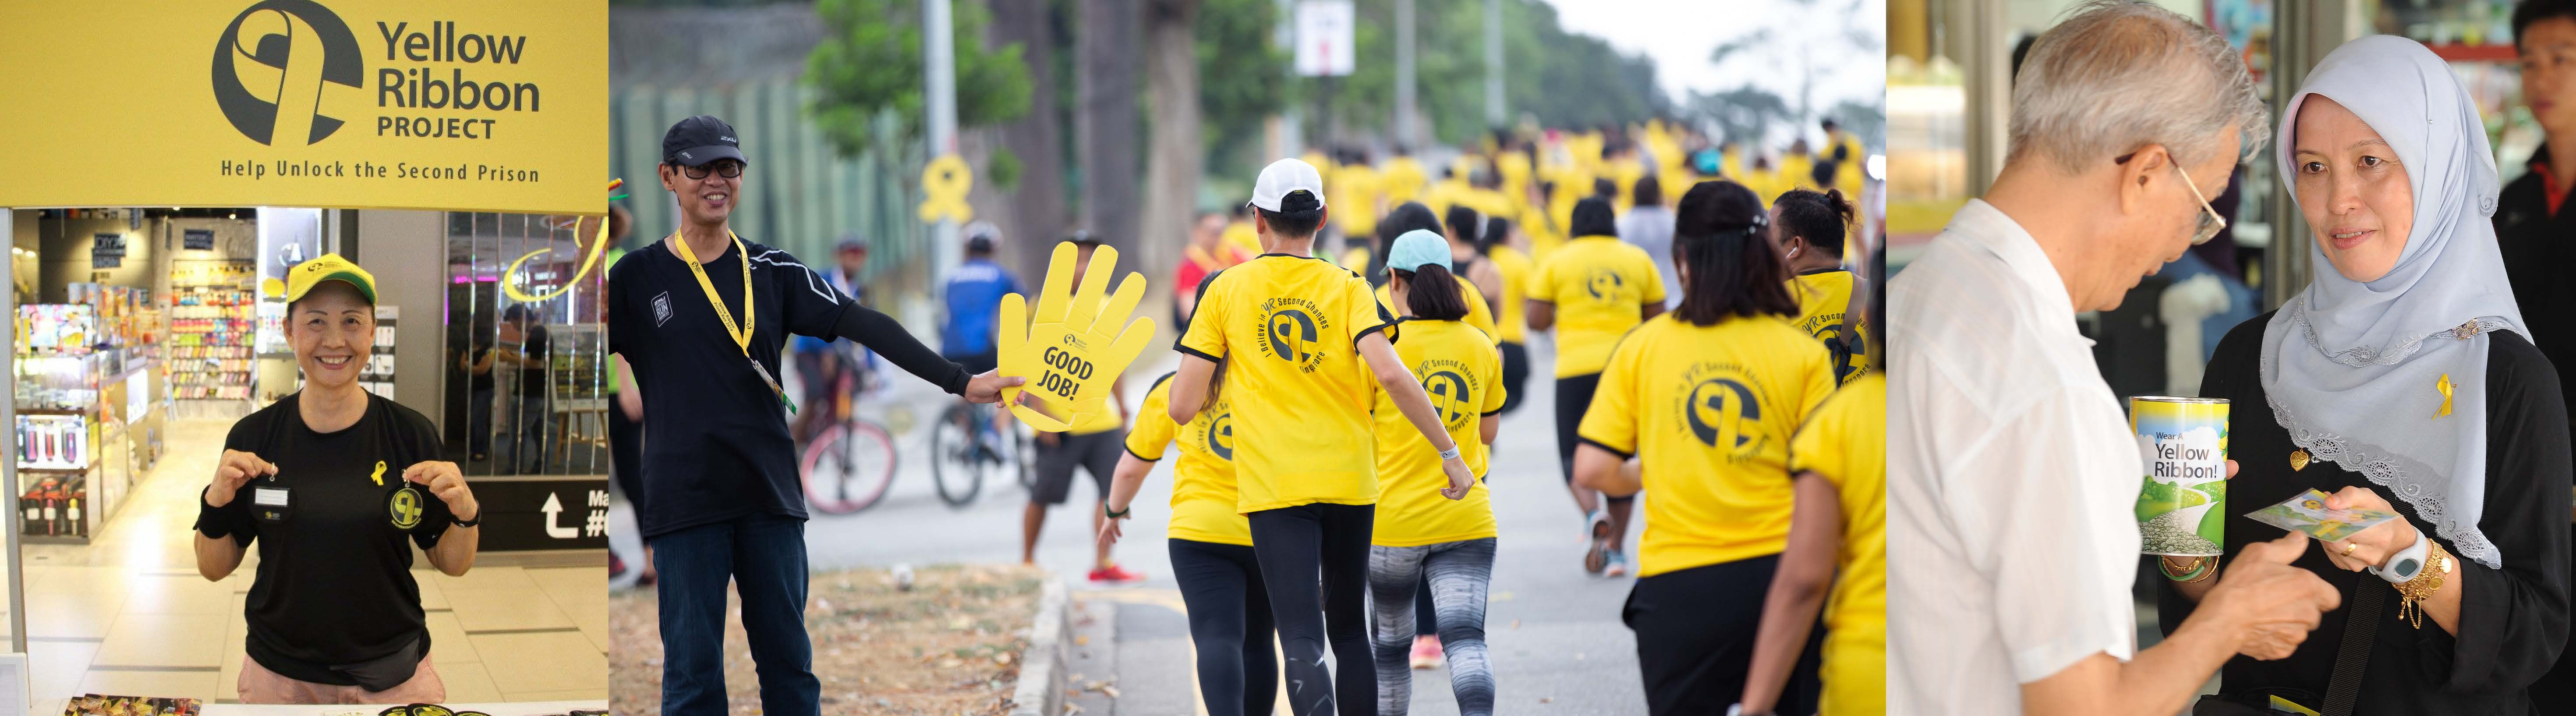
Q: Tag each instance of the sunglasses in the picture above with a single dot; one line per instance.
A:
(726, 168)
(2210, 221)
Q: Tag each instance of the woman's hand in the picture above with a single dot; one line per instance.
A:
(236, 469)
(1109, 532)
(2372, 546)
(443, 480)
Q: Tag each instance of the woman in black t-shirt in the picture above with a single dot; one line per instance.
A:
(335, 485)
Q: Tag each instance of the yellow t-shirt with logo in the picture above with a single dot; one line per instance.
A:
(1401, 181)
(1203, 479)
(1509, 324)
(1846, 443)
(1300, 392)
(1463, 375)
(1709, 411)
(1823, 298)
(1479, 315)
(1599, 284)
(1351, 199)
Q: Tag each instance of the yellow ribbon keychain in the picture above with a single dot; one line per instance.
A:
(2445, 387)
(1068, 352)
(945, 183)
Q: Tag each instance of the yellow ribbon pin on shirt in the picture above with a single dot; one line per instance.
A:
(379, 475)
(2445, 386)
(945, 182)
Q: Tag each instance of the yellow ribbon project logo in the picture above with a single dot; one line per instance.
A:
(275, 66)
(945, 183)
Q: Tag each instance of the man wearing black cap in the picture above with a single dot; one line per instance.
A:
(701, 316)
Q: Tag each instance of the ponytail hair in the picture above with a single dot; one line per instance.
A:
(1433, 293)
(1729, 267)
(1823, 219)
(1216, 388)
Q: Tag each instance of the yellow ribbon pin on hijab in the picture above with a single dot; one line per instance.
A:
(2445, 386)
(379, 475)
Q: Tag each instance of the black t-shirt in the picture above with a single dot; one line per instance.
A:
(715, 437)
(2513, 620)
(532, 378)
(334, 585)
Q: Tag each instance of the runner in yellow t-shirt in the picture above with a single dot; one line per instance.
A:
(1810, 229)
(1091, 445)
(1211, 544)
(1837, 540)
(1307, 354)
(1592, 290)
(1354, 188)
(1706, 399)
(1402, 179)
(1419, 534)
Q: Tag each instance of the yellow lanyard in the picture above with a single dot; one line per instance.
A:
(750, 308)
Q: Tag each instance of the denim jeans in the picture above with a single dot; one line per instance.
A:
(764, 558)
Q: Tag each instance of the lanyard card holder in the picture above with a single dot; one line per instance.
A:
(271, 502)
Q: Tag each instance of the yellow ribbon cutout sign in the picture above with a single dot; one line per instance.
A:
(2445, 387)
(598, 245)
(945, 182)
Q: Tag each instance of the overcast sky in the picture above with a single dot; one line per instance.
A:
(1679, 34)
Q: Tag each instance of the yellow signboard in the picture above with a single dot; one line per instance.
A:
(465, 106)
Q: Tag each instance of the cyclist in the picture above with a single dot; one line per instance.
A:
(821, 361)
(974, 300)
(1091, 445)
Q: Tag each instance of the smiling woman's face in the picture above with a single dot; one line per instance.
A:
(2351, 189)
(333, 330)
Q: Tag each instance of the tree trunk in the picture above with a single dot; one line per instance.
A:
(1172, 177)
(1036, 208)
(1105, 120)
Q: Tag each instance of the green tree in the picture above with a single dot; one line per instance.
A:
(870, 61)
(1563, 79)
(1243, 80)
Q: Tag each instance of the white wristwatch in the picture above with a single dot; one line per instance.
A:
(2406, 563)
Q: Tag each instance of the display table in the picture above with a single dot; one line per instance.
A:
(530, 708)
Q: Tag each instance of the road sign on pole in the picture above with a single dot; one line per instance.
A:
(1325, 31)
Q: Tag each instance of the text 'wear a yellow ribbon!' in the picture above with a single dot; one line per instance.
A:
(1067, 351)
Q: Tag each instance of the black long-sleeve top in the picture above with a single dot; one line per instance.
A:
(715, 435)
(2513, 620)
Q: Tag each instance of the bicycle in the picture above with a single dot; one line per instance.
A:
(964, 445)
(850, 463)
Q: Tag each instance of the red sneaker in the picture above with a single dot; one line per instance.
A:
(1426, 652)
(1116, 574)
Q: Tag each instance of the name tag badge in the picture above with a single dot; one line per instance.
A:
(270, 504)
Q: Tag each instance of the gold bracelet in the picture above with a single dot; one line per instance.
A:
(2437, 565)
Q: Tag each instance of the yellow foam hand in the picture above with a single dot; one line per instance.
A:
(1068, 351)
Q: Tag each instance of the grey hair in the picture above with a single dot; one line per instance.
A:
(2119, 75)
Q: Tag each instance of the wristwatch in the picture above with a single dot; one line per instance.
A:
(2406, 563)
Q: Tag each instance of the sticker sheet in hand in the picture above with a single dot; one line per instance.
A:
(2308, 513)
(1076, 345)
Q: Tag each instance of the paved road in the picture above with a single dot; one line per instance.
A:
(1558, 646)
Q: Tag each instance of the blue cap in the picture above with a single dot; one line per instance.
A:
(1417, 248)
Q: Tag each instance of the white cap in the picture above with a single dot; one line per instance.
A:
(1283, 176)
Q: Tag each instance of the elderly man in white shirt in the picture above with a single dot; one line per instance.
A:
(2011, 469)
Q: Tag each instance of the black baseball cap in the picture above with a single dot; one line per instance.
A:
(697, 140)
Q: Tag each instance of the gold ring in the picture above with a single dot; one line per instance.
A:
(2348, 547)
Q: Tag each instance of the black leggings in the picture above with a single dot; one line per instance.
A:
(1230, 623)
(1294, 544)
(1573, 396)
(1695, 629)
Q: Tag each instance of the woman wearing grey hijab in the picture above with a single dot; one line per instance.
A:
(2400, 379)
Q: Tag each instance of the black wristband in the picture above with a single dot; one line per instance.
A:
(476, 522)
(1117, 514)
(215, 522)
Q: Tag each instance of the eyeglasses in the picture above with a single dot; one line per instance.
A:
(2210, 221)
(726, 168)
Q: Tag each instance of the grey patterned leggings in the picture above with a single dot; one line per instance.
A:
(1460, 573)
